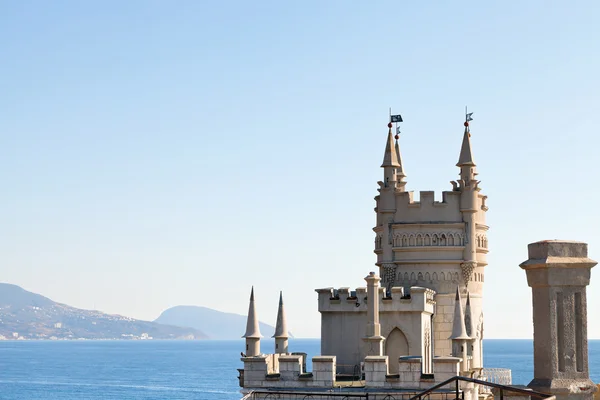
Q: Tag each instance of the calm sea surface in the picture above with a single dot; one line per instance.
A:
(204, 370)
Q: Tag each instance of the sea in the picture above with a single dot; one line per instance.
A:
(203, 370)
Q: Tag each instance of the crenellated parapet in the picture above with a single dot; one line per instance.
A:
(286, 371)
(410, 374)
(356, 301)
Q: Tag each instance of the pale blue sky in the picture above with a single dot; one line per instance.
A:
(158, 153)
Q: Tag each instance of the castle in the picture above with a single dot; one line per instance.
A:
(419, 321)
(425, 250)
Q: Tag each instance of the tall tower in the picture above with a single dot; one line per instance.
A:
(440, 245)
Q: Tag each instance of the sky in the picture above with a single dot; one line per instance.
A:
(157, 153)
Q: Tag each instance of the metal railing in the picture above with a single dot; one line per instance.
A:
(272, 395)
(461, 394)
(439, 391)
(247, 396)
(333, 395)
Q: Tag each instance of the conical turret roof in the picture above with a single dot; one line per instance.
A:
(400, 169)
(390, 158)
(459, 330)
(252, 330)
(469, 319)
(281, 330)
(466, 155)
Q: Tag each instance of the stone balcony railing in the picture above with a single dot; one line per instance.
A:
(501, 376)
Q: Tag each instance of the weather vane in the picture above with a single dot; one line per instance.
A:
(468, 118)
(396, 119)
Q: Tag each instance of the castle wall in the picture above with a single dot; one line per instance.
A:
(341, 335)
(344, 321)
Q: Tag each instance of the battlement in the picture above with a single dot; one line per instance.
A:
(427, 209)
(287, 371)
(410, 372)
(419, 299)
(427, 198)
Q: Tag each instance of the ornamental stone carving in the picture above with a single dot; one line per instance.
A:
(467, 270)
(389, 275)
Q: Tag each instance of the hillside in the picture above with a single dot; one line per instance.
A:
(216, 324)
(27, 315)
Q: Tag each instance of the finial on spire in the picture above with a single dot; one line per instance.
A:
(468, 118)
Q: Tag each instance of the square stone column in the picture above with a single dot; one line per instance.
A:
(373, 339)
(558, 273)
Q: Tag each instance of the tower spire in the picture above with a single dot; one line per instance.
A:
(459, 334)
(400, 175)
(466, 155)
(459, 331)
(281, 332)
(390, 157)
(469, 321)
(465, 159)
(392, 165)
(252, 334)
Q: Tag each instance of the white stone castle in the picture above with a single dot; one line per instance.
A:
(418, 325)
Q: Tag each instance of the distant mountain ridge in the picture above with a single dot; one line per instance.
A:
(216, 324)
(27, 315)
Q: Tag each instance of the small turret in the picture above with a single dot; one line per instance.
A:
(459, 334)
(474, 345)
(469, 321)
(469, 205)
(459, 330)
(400, 175)
(252, 334)
(390, 161)
(466, 155)
(465, 159)
(281, 332)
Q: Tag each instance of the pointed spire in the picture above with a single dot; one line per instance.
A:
(281, 330)
(459, 330)
(252, 330)
(466, 155)
(400, 169)
(390, 158)
(469, 321)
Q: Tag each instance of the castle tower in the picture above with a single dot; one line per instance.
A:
(439, 245)
(281, 332)
(252, 334)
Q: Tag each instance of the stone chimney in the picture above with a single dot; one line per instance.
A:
(558, 273)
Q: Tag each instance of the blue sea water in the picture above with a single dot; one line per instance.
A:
(203, 370)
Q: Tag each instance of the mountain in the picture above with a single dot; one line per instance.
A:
(27, 315)
(216, 324)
